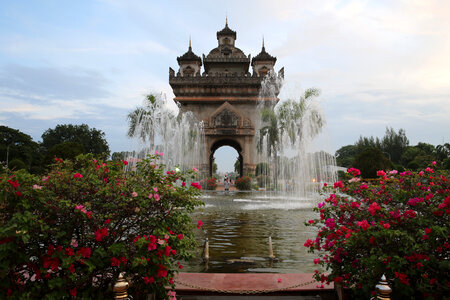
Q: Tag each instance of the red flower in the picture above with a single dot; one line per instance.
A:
(14, 183)
(125, 162)
(373, 208)
(338, 184)
(199, 224)
(18, 194)
(148, 280)
(196, 185)
(100, 234)
(70, 252)
(72, 268)
(77, 175)
(73, 292)
(85, 252)
(115, 262)
(427, 230)
(180, 236)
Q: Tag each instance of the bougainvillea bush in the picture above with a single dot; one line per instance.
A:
(71, 233)
(209, 183)
(397, 225)
(243, 183)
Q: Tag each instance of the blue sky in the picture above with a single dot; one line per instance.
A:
(378, 63)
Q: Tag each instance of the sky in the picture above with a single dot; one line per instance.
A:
(378, 64)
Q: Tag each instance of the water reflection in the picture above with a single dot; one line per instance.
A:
(238, 226)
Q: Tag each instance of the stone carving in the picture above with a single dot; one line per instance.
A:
(226, 119)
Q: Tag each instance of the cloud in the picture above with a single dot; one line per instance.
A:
(51, 82)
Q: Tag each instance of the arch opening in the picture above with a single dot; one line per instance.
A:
(230, 143)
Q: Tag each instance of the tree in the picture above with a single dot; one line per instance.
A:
(92, 140)
(66, 150)
(394, 144)
(15, 144)
(237, 166)
(370, 161)
(346, 155)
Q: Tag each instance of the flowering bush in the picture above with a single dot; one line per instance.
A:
(70, 233)
(396, 225)
(243, 183)
(209, 184)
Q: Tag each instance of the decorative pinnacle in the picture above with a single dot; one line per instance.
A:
(263, 42)
(190, 46)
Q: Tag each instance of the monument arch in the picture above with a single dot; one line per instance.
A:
(224, 96)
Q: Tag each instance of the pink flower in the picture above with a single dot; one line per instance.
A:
(279, 280)
(330, 223)
(433, 163)
(150, 196)
(354, 179)
(195, 169)
(134, 194)
(36, 187)
(77, 175)
(317, 261)
(155, 189)
(74, 243)
(393, 172)
(429, 170)
(354, 171)
(156, 197)
(320, 205)
(199, 224)
(363, 186)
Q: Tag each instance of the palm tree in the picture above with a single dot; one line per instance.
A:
(143, 120)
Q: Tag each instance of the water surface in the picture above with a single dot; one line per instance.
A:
(238, 226)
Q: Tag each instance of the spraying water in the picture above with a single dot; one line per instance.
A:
(287, 152)
(158, 129)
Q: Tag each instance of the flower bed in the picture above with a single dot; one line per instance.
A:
(243, 183)
(396, 225)
(70, 233)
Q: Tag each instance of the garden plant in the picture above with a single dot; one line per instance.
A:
(70, 233)
(397, 225)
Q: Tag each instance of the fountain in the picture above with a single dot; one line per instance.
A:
(226, 105)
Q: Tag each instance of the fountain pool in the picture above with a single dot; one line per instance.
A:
(238, 226)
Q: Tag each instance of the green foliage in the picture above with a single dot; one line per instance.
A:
(16, 145)
(119, 156)
(243, 183)
(263, 180)
(209, 184)
(346, 155)
(262, 169)
(397, 226)
(16, 164)
(92, 140)
(370, 161)
(74, 230)
(66, 150)
(237, 166)
(394, 144)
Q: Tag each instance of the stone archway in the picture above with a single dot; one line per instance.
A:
(226, 142)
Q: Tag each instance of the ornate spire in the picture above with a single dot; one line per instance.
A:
(263, 55)
(189, 55)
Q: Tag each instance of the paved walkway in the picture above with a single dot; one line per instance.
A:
(221, 187)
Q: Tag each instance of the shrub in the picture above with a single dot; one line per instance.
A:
(209, 183)
(397, 226)
(243, 183)
(263, 180)
(71, 232)
(16, 164)
(370, 160)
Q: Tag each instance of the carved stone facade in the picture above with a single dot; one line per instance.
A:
(224, 96)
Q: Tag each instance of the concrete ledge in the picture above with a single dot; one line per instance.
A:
(250, 283)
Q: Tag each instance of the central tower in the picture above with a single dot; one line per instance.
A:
(224, 96)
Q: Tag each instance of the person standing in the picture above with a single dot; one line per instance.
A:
(227, 184)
